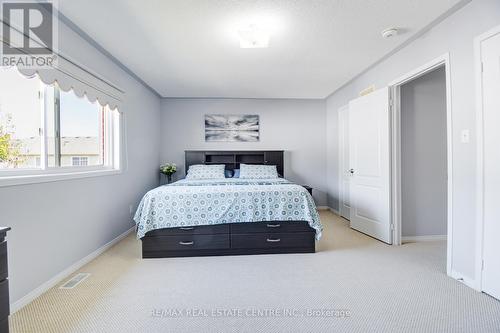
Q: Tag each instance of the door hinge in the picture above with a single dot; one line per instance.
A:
(392, 226)
(482, 265)
(482, 67)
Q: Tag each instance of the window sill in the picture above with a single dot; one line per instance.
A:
(54, 177)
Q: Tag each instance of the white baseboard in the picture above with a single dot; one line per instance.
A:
(334, 211)
(429, 238)
(65, 273)
(465, 280)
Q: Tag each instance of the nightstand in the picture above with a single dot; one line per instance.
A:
(308, 188)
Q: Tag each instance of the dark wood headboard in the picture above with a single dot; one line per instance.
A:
(233, 158)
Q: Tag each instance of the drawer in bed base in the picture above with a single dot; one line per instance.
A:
(185, 242)
(191, 230)
(267, 227)
(272, 240)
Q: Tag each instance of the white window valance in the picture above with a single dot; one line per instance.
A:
(70, 75)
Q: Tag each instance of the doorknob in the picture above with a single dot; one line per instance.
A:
(351, 171)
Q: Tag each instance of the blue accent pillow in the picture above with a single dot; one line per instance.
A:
(228, 173)
(236, 173)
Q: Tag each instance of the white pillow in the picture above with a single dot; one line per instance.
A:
(249, 171)
(201, 171)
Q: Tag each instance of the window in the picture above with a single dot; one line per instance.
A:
(45, 130)
(79, 161)
(81, 124)
(20, 117)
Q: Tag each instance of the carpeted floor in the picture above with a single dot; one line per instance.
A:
(352, 284)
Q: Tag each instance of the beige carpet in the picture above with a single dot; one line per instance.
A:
(382, 289)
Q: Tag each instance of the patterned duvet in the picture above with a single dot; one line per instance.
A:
(231, 200)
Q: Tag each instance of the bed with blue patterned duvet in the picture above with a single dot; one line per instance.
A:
(188, 203)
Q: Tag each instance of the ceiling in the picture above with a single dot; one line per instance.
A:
(190, 48)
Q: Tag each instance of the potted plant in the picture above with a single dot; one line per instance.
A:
(168, 170)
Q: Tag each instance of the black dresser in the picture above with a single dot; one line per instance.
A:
(4, 283)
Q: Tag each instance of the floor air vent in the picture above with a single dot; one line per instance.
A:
(74, 281)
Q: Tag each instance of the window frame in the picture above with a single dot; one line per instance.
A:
(112, 122)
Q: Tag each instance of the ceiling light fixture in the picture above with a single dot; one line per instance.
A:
(253, 37)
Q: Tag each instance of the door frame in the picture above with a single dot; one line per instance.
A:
(341, 157)
(395, 88)
(480, 155)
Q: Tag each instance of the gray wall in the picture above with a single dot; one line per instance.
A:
(423, 158)
(296, 126)
(455, 35)
(56, 224)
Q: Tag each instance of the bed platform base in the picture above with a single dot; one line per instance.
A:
(230, 239)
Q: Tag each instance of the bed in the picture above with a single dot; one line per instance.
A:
(229, 216)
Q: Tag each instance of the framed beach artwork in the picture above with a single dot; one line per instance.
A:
(232, 128)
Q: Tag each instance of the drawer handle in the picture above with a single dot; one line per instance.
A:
(273, 240)
(274, 225)
(186, 228)
(186, 243)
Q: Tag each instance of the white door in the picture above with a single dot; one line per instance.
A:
(369, 163)
(345, 176)
(490, 51)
